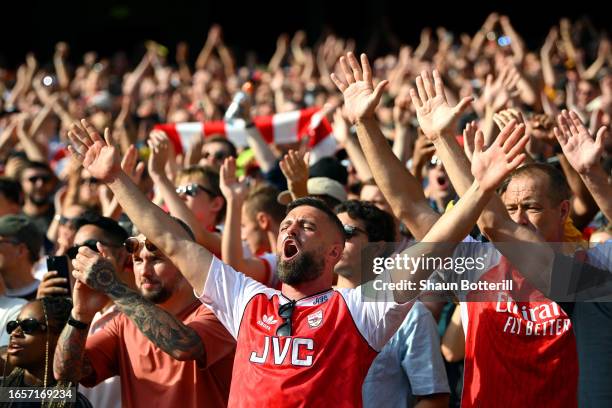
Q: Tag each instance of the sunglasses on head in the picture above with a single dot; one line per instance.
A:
(28, 326)
(285, 312)
(192, 190)
(350, 231)
(44, 178)
(133, 245)
(216, 155)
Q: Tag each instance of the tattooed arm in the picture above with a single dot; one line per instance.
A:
(70, 362)
(161, 327)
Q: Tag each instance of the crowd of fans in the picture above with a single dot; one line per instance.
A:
(86, 172)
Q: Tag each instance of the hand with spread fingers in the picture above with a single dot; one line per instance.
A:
(360, 96)
(159, 146)
(96, 154)
(491, 166)
(435, 115)
(232, 188)
(579, 147)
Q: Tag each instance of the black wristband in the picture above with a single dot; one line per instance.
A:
(77, 323)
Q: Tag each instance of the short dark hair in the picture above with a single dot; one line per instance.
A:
(211, 181)
(220, 139)
(558, 189)
(263, 198)
(10, 189)
(379, 224)
(112, 231)
(31, 164)
(320, 205)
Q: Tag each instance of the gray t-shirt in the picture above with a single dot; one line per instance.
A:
(409, 365)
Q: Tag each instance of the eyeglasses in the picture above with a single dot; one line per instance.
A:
(218, 156)
(433, 162)
(29, 326)
(44, 178)
(350, 231)
(285, 312)
(133, 245)
(91, 244)
(192, 190)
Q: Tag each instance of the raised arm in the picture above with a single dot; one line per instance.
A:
(160, 150)
(584, 152)
(164, 330)
(235, 193)
(400, 188)
(433, 113)
(489, 167)
(101, 159)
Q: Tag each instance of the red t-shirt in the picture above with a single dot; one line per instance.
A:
(152, 378)
(335, 337)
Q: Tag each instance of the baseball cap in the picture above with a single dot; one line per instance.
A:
(329, 167)
(318, 186)
(23, 230)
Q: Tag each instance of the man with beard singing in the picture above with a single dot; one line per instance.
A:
(306, 345)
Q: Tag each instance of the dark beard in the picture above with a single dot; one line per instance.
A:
(39, 202)
(158, 297)
(303, 268)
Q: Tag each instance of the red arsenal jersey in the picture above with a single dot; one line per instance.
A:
(335, 337)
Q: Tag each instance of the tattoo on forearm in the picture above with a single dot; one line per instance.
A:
(69, 363)
(161, 327)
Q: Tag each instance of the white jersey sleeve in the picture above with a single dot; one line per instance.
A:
(377, 320)
(227, 293)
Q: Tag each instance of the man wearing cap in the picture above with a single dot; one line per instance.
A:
(325, 188)
(20, 243)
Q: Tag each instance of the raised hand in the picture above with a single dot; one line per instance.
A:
(469, 136)
(497, 93)
(231, 187)
(401, 108)
(360, 96)
(160, 151)
(131, 166)
(97, 155)
(295, 168)
(434, 114)
(582, 151)
(491, 166)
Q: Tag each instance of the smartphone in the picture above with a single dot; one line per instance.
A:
(60, 265)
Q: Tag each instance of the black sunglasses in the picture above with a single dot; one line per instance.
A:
(285, 312)
(29, 326)
(67, 220)
(350, 231)
(44, 178)
(192, 190)
(91, 180)
(216, 155)
(133, 245)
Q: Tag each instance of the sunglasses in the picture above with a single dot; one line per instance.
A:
(216, 156)
(10, 241)
(350, 231)
(91, 244)
(44, 178)
(133, 245)
(433, 162)
(285, 312)
(192, 190)
(66, 220)
(28, 326)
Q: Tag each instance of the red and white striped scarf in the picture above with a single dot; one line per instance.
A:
(281, 128)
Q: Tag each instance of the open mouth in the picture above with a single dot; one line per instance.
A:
(442, 182)
(290, 249)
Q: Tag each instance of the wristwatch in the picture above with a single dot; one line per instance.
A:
(77, 323)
